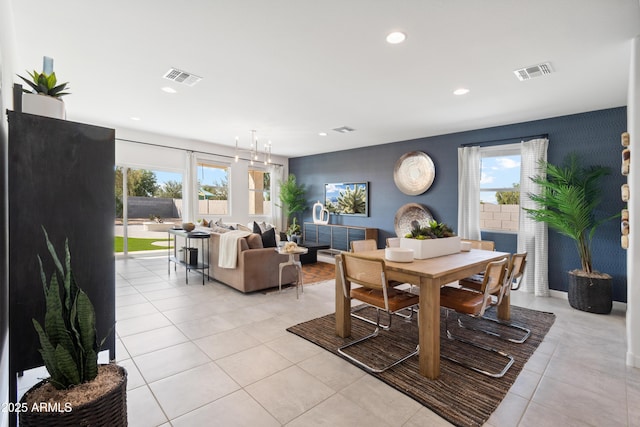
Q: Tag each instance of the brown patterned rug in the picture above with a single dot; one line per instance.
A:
(461, 396)
(318, 272)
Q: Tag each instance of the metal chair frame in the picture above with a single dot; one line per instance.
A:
(381, 285)
(492, 283)
(514, 273)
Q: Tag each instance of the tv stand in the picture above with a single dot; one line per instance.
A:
(338, 237)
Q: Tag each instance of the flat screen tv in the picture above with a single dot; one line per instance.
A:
(347, 198)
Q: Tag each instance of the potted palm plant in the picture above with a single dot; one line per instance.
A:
(45, 94)
(78, 391)
(567, 202)
(292, 197)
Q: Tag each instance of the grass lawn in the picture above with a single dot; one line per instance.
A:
(137, 244)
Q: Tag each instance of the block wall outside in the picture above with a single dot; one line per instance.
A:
(499, 217)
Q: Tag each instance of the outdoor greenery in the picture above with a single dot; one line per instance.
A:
(46, 84)
(292, 196)
(137, 244)
(219, 190)
(170, 190)
(350, 201)
(509, 197)
(69, 347)
(568, 201)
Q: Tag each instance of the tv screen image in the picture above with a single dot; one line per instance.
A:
(347, 198)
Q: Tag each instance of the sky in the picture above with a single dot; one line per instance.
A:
(498, 172)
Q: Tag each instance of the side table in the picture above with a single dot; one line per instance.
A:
(296, 264)
(188, 235)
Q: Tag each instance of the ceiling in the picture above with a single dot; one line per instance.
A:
(290, 69)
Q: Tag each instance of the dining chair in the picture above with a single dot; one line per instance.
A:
(364, 245)
(372, 245)
(374, 291)
(513, 276)
(472, 303)
(487, 245)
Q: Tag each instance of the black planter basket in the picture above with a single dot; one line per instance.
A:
(109, 409)
(590, 294)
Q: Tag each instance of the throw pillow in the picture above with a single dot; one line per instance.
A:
(269, 238)
(256, 228)
(254, 241)
(243, 228)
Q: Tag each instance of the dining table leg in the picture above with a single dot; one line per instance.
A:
(504, 308)
(343, 305)
(429, 328)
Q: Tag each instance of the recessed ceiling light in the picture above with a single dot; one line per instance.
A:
(396, 37)
(322, 133)
(461, 91)
(137, 119)
(169, 89)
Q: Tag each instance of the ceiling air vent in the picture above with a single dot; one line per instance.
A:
(529, 73)
(344, 129)
(182, 77)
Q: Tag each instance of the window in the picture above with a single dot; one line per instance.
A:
(500, 188)
(259, 192)
(213, 189)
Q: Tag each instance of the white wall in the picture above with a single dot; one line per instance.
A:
(139, 155)
(633, 253)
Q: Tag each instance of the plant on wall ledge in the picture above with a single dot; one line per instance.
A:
(45, 84)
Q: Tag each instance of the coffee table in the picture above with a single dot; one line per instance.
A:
(311, 257)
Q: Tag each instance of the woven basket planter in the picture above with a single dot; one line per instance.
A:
(109, 409)
(590, 294)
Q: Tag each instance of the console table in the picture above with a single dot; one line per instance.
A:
(336, 236)
(202, 237)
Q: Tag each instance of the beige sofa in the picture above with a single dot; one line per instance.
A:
(256, 269)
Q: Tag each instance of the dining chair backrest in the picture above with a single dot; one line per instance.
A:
(493, 283)
(393, 242)
(364, 245)
(487, 245)
(514, 273)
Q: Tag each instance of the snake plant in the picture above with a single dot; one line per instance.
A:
(68, 337)
(46, 84)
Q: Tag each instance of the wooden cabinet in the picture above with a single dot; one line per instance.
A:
(337, 236)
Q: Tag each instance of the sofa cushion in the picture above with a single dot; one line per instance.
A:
(254, 241)
(243, 228)
(269, 238)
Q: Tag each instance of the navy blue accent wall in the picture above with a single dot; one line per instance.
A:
(594, 135)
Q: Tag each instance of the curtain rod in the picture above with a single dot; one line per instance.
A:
(541, 135)
(184, 149)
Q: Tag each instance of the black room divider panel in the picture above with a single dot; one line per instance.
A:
(61, 176)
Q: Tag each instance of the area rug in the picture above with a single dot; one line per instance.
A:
(318, 272)
(461, 396)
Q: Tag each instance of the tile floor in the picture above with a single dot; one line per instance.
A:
(209, 355)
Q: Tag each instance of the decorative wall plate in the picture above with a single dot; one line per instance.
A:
(409, 215)
(414, 173)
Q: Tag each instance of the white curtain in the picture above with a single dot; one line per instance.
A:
(190, 189)
(277, 175)
(469, 192)
(532, 235)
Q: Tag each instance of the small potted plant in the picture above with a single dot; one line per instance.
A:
(567, 203)
(44, 96)
(293, 232)
(428, 242)
(78, 391)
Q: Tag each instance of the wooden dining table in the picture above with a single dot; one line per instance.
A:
(430, 275)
